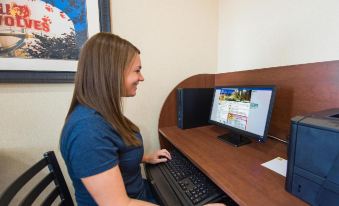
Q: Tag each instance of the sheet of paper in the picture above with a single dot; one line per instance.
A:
(278, 165)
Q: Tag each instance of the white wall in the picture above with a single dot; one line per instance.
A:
(177, 39)
(268, 33)
(32, 116)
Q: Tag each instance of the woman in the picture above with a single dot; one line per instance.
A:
(101, 147)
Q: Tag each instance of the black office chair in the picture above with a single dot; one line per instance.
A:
(54, 174)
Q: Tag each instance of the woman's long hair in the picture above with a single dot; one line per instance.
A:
(99, 81)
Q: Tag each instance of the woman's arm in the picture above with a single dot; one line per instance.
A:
(159, 156)
(108, 189)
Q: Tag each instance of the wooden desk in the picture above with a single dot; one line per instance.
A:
(237, 171)
(301, 89)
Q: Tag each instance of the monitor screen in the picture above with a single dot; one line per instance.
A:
(244, 110)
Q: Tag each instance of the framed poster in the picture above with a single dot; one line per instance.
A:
(40, 40)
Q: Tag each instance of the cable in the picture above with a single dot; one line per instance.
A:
(277, 138)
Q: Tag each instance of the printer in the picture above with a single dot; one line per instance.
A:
(313, 158)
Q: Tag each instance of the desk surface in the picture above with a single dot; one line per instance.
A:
(237, 171)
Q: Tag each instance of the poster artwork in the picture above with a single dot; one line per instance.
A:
(36, 29)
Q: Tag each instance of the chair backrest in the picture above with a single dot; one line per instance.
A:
(49, 160)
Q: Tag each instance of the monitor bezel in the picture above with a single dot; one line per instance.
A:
(259, 138)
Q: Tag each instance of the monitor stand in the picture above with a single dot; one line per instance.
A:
(236, 140)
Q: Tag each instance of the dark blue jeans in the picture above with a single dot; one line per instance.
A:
(148, 194)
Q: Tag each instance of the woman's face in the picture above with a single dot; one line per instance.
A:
(133, 76)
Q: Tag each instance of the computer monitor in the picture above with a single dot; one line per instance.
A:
(244, 110)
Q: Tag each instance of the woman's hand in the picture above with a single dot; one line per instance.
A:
(215, 204)
(159, 156)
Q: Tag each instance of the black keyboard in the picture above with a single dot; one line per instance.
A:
(192, 186)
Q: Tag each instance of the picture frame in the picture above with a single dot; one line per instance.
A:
(45, 76)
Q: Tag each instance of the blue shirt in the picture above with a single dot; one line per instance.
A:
(89, 146)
